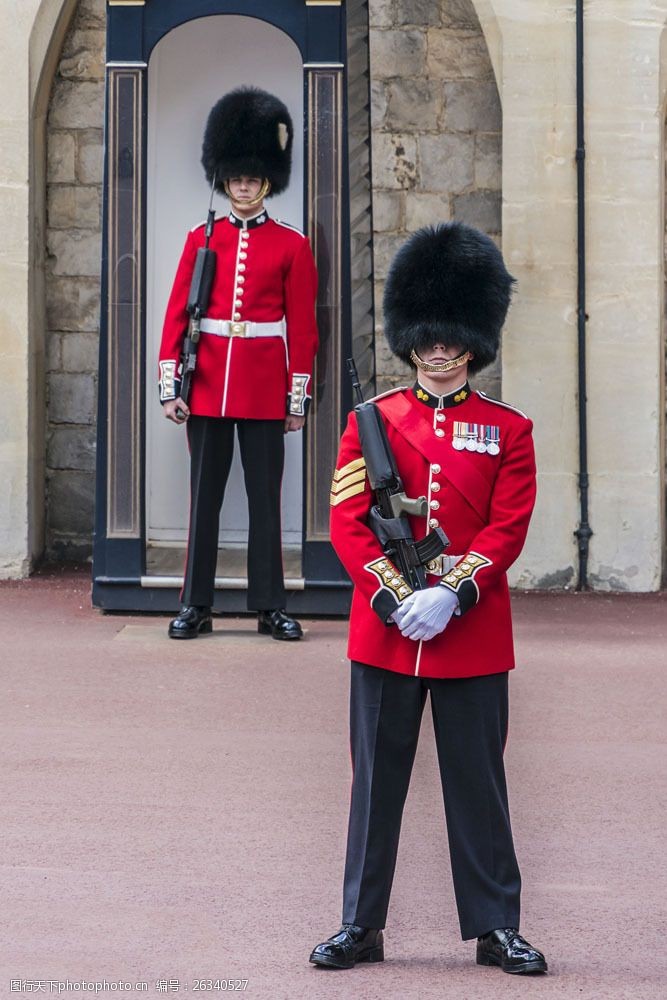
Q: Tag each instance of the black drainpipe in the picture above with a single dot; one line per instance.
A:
(583, 532)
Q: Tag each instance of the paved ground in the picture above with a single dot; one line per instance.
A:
(177, 811)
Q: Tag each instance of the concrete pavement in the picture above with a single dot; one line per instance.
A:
(176, 811)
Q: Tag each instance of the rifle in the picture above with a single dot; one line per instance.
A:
(388, 517)
(198, 300)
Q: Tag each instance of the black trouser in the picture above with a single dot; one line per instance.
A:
(470, 723)
(262, 444)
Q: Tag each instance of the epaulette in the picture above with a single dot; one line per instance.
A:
(288, 225)
(389, 392)
(499, 402)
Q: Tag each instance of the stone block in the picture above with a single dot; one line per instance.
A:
(457, 56)
(488, 162)
(378, 296)
(83, 55)
(397, 53)
(53, 352)
(472, 106)
(419, 12)
(73, 303)
(73, 207)
(378, 103)
(77, 104)
(74, 252)
(381, 13)
(80, 352)
(63, 549)
(385, 383)
(89, 156)
(387, 210)
(414, 105)
(459, 14)
(424, 209)
(481, 209)
(387, 364)
(71, 398)
(71, 448)
(446, 163)
(91, 14)
(61, 158)
(70, 502)
(385, 246)
(394, 160)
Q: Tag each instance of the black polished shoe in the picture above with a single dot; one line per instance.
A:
(505, 947)
(350, 945)
(278, 625)
(190, 622)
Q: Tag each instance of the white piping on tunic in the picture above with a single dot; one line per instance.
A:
(230, 344)
(419, 656)
(428, 517)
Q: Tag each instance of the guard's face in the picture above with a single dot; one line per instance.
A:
(244, 188)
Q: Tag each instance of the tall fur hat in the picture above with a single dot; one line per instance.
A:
(248, 132)
(447, 284)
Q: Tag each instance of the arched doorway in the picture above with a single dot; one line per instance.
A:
(177, 198)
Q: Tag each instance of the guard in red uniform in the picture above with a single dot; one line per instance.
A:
(255, 358)
(446, 299)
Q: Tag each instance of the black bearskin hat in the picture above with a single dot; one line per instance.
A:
(448, 284)
(248, 132)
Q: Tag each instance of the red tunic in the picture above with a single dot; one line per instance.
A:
(482, 499)
(265, 273)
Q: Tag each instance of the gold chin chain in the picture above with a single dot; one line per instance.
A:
(263, 191)
(444, 366)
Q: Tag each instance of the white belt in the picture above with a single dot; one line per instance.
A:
(227, 328)
(441, 565)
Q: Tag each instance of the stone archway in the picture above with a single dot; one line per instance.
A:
(73, 183)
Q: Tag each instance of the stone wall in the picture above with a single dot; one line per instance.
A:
(436, 143)
(74, 194)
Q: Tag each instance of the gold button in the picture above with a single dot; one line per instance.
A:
(241, 267)
(440, 417)
(240, 279)
(435, 487)
(238, 304)
(440, 433)
(242, 256)
(433, 523)
(237, 316)
(434, 505)
(239, 291)
(435, 468)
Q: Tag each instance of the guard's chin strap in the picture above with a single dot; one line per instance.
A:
(444, 366)
(263, 191)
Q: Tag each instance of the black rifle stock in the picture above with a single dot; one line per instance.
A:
(388, 518)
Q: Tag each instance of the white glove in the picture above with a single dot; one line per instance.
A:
(425, 613)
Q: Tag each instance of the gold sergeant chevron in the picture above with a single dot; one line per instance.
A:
(348, 481)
